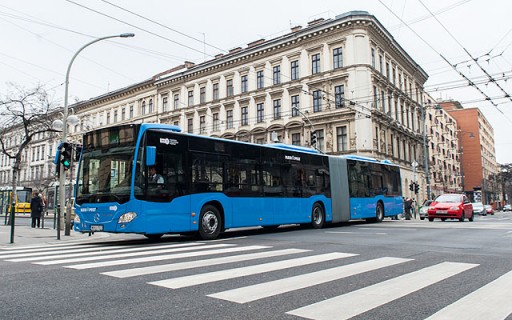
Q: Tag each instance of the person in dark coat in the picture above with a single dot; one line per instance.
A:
(408, 207)
(36, 209)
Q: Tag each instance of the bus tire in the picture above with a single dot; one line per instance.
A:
(210, 223)
(154, 237)
(317, 216)
(379, 212)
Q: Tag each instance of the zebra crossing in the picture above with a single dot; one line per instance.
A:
(491, 301)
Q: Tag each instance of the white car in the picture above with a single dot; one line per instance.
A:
(478, 208)
(507, 207)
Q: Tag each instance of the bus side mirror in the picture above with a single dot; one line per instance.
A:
(150, 156)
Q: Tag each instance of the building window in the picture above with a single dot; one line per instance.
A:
(317, 101)
(259, 80)
(296, 139)
(387, 70)
(375, 97)
(341, 135)
(315, 63)
(215, 91)
(190, 125)
(115, 116)
(244, 116)
(131, 111)
(320, 140)
(339, 96)
(176, 101)
(337, 56)
(123, 114)
(202, 95)
(381, 64)
(373, 57)
(202, 124)
(150, 105)
(215, 122)
(383, 100)
(259, 112)
(229, 119)
(229, 88)
(243, 86)
(108, 115)
(295, 105)
(143, 108)
(276, 78)
(277, 109)
(164, 104)
(190, 98)
(294, 67)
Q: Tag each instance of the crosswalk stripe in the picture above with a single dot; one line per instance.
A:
(107, 256)
(59, 252)
(208, 277)
(165, 257)
(126, 273)
(272, 288)
(354, 303)
(39, 248)
(490, 302)
(106, 251)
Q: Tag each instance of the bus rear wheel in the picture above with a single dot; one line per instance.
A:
(210, 223)
(317, 216)
(379, 212)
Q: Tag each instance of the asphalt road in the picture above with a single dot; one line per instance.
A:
(391, 270)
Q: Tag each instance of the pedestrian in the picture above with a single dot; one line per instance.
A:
(407, 207)
(36, 209)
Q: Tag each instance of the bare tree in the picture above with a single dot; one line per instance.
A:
(24, 113)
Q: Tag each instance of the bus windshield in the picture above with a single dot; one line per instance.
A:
(105, 175)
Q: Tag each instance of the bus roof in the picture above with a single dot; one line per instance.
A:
(285, 146)
(368, 159)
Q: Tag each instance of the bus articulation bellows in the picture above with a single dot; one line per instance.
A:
(211, 184)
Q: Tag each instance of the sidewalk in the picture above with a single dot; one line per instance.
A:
(24, 235)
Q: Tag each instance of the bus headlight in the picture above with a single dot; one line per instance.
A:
(77, 219)
(127, 217)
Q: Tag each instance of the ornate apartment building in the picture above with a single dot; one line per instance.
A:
(346, 79)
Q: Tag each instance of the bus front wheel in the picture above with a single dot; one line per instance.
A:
(210, 223)
(318, 216)
(379, 212)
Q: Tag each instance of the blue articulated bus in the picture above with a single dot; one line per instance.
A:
(153, 179)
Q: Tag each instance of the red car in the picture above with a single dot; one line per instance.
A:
(451, 206)
(489, 209)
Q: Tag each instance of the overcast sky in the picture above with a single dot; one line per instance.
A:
(38, 39)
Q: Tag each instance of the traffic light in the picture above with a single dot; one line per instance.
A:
(313, 138)
(411, 186)
(416, 188)
(66, 153)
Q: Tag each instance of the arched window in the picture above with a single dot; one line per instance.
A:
(143, 108)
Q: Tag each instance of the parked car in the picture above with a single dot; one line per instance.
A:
(423, 210)
(489, 209)
(478, 208)
(507, 207)
(451, 206)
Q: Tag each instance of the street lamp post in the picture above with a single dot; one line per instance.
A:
(62, 177)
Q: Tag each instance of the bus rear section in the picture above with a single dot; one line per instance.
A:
(364, 188)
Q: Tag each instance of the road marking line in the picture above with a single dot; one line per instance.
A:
(106, 256)
(208, 277)
(165, 257)
(490, 302)
(58, 252)
(272, 288)
(126, 273)
(104, 251)
(357, 302)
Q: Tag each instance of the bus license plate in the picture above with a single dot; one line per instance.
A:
(442, 211)
(97, 227)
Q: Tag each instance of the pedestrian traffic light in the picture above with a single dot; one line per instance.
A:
(416, 188)
(66, 152)
(313, 138)
(411, 186)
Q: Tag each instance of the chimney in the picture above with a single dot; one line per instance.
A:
(189, 64)
(316, 21)
(296, 28)
(255, 43)
(235, 50)
(218, 55)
